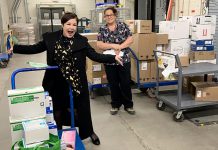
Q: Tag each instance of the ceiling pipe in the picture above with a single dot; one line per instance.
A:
(26, 11)
(12, 10)
(15, 11)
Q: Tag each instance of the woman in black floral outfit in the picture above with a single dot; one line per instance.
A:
(117, 36)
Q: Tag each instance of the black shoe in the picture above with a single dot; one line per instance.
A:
(130, 110)
(95, 139)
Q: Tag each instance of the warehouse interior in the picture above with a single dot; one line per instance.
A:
(173, 74)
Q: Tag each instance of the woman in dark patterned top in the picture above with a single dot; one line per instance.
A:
(68, 50)
(116, 36)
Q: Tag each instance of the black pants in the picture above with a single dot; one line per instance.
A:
(119, 79)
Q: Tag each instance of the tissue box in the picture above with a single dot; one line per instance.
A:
(35, 131)
(25, 104)
(52, 128)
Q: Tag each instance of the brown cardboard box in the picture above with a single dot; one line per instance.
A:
(144, 26)
(144, 45)
(94, 66)
(153, 72)
(184, 60)
(98, 77)
(93, 44)
(90, 36)
(186, 85)
(204, 91)
(132, 26)
(144, 71)
(202, 55)
(162, 38)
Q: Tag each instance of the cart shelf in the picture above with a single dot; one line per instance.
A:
(199, 69)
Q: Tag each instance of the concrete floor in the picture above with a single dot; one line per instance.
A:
(149, 129)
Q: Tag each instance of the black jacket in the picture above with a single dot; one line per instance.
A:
(55, 83)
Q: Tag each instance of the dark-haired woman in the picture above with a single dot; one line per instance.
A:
(117, 36)
(68, 50)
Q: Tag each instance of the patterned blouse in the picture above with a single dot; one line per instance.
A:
(118, 36)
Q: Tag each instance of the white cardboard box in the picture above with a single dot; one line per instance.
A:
(180, 47)
(35, 131)
(16, 132)
(201, 32)
(26, 103)
(203, 20)
(175, 29)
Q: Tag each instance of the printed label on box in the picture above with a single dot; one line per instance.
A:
(144, 66)
(96, 80)
(96, 67)
(198, 94)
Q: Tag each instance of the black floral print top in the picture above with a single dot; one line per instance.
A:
(118, 36)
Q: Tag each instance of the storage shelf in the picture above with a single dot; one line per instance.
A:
(186, 101)
(199, 69)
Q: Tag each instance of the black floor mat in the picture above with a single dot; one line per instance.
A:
(207, 116)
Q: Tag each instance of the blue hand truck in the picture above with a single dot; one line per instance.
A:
(78, 145)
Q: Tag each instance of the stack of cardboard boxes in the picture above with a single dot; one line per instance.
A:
(31, 116)
(178, 35)
(95, 71)
(144, 44)
(202, 30)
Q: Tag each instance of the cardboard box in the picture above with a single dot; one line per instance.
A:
(32, 99)
(179, 46)
(202, 42)
(16, 131)
(93, 66)
(144, 71)
(139, 26)
(204, 91)
(144, 26)
(90, 36)
(162, 38)
(202, 48)
(186, 84)
(154, 71)
(93, 44)
(144, 45)
(202, 55)
(203, 20)
(132, 25)
(98, 77)
(173, 29)
(184, 60)
(35, 131)
(201, 32)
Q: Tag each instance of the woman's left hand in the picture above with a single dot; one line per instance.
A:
(119, 60)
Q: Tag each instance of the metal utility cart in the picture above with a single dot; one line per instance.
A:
(149, 87)
(179, 100)
(78, 145)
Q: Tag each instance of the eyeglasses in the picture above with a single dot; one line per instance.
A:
(107, 16)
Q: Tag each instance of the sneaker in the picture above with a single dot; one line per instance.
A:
(131, 111)
(114, 111)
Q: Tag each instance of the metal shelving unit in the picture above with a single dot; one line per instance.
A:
(97, 17)
(179, 100)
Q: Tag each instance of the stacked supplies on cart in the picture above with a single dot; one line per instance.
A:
(31, 118)
(202, 31)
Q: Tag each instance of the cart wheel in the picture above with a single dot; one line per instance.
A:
(151, 92)
(178, 117)
(161, 105)
(92, 95)
(3, 64)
